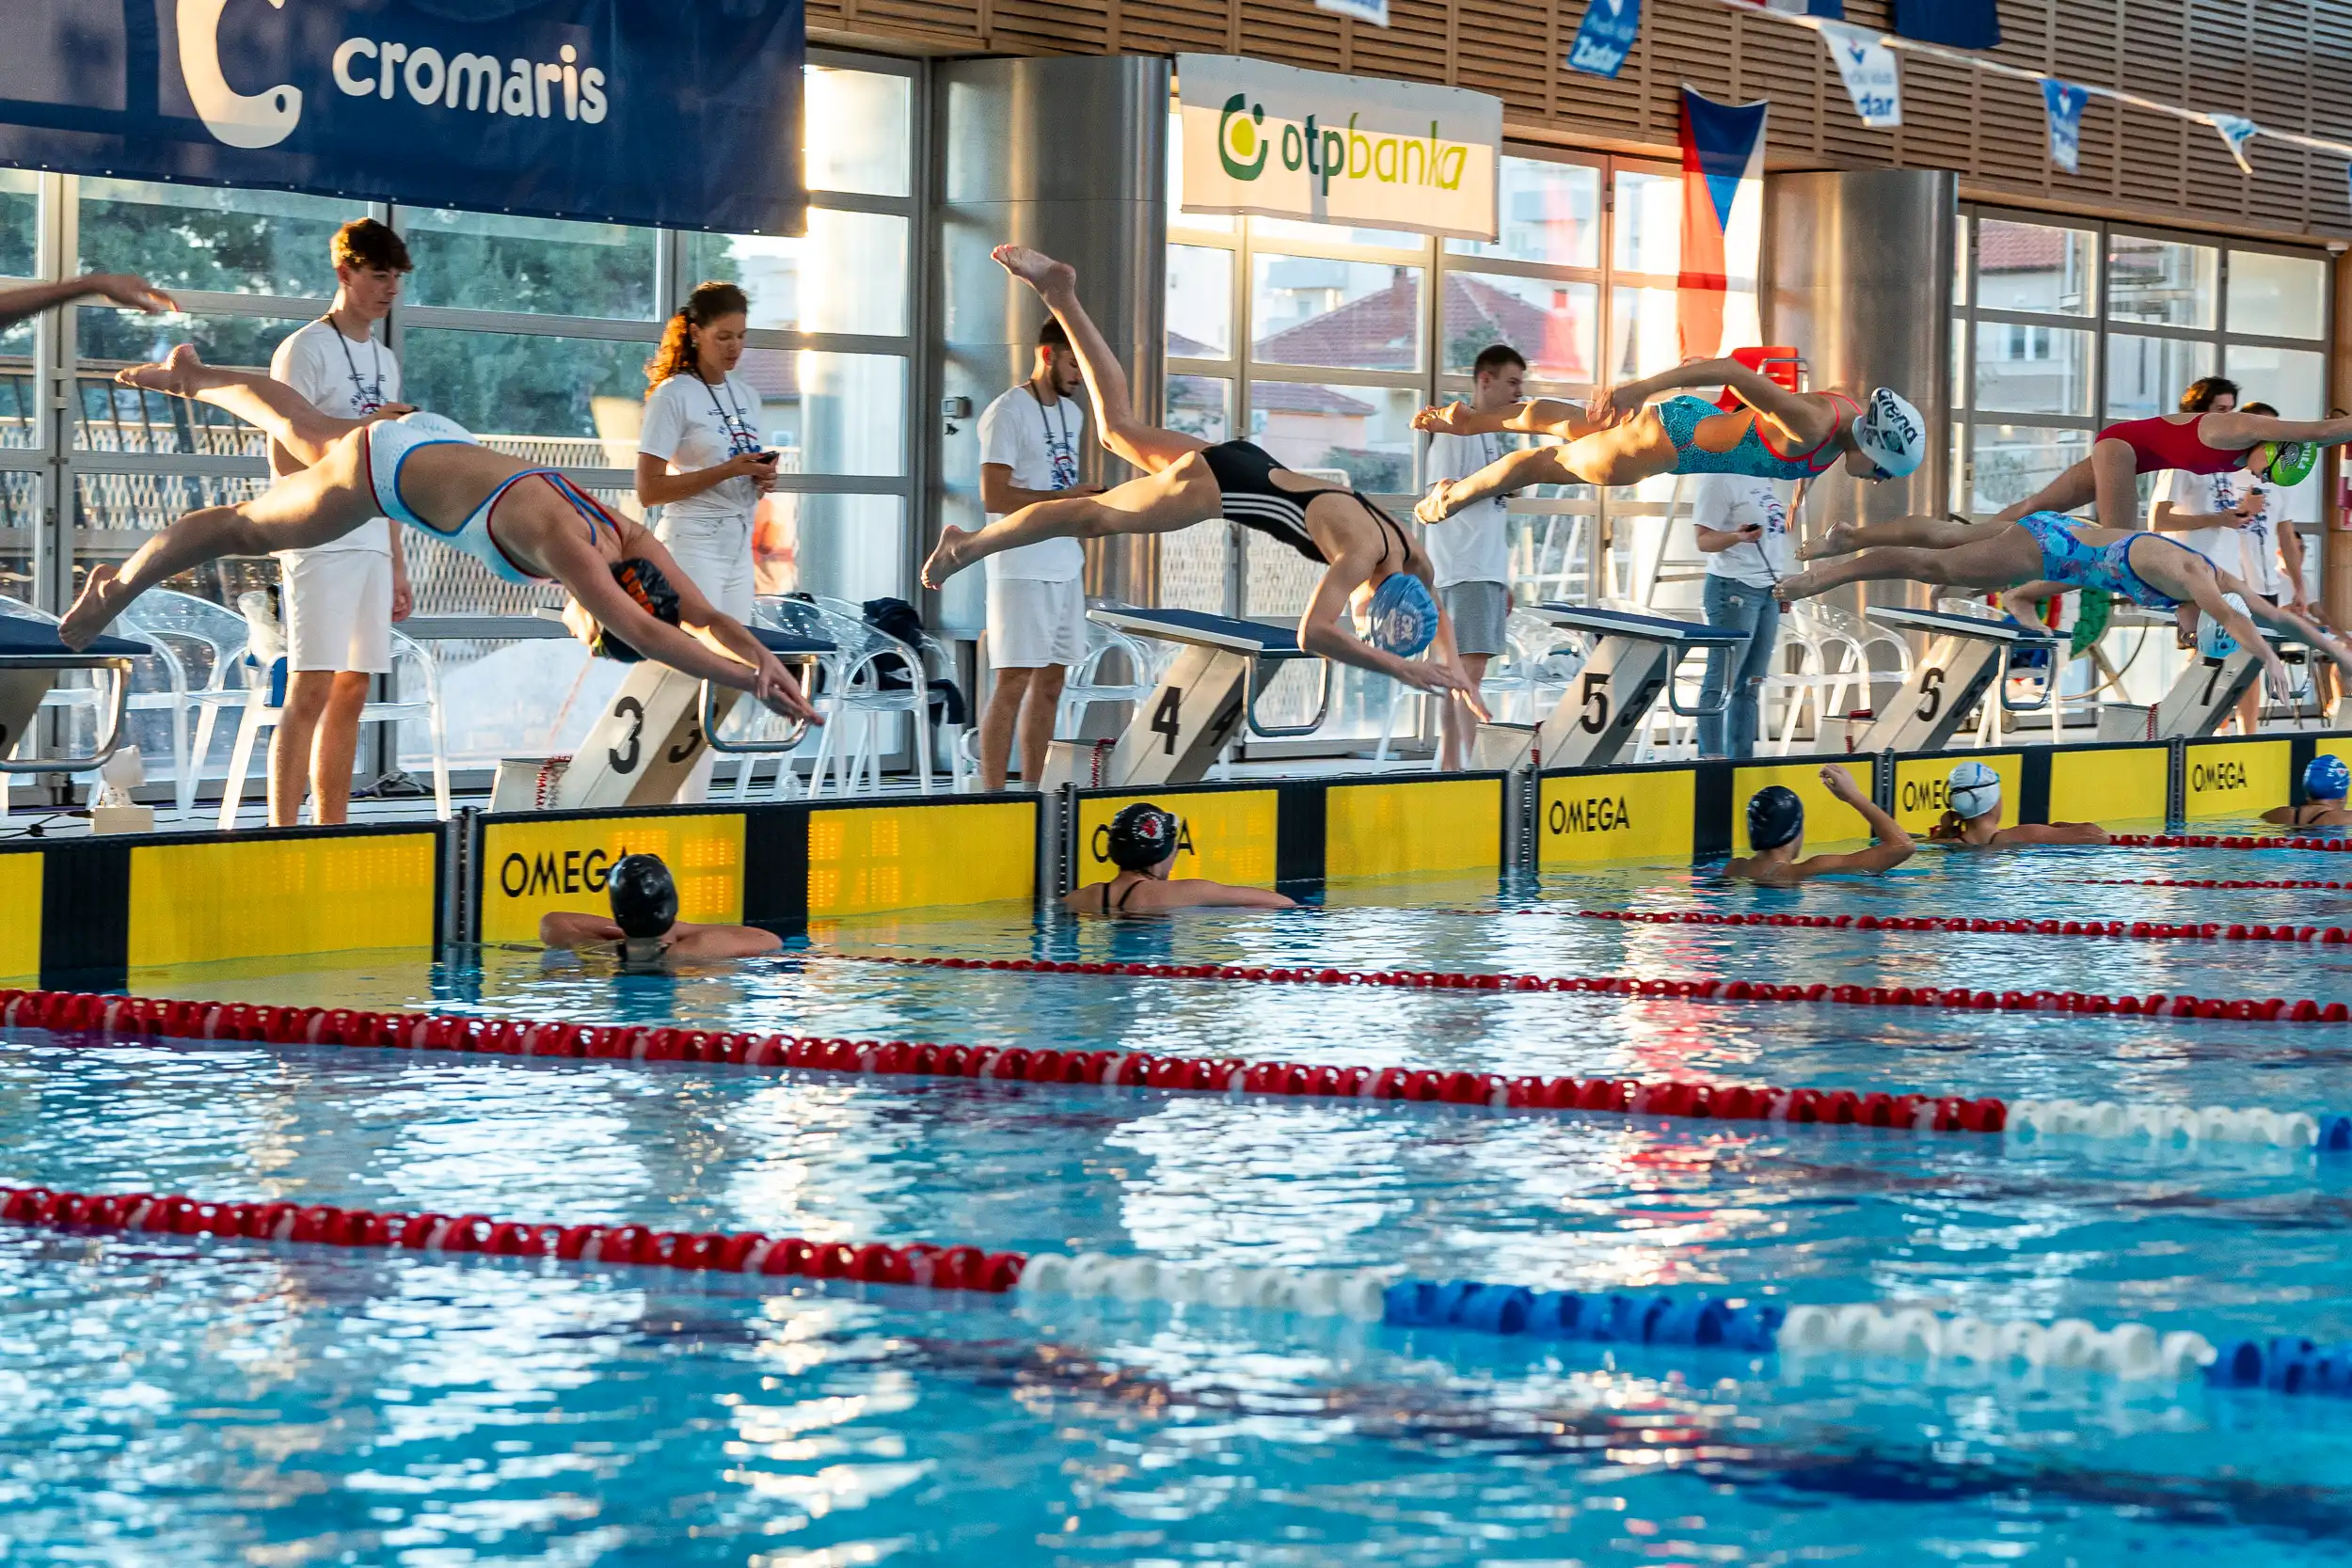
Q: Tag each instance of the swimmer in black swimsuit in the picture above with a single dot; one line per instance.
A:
(2325, 782)
(644, 931)
(1187, 481)
(1142, 840)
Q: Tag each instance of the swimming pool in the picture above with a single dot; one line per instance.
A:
(220, 1401)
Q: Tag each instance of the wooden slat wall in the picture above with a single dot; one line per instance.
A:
(2209, 54)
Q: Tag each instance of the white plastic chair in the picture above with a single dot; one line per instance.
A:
(171, 622)
(86, 695)
(1086, 685)
(863, 694)
(256, 714)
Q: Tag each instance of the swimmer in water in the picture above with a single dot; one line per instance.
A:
(644, 929)
(1142, 840)
(2325, 782)
(1972, 819)
(1777, 836)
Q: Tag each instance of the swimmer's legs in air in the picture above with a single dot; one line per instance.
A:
(286, 415)
(1931, 533)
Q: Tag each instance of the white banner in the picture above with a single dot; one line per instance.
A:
(1373, 11)
(1873, 80)
(1276, 142)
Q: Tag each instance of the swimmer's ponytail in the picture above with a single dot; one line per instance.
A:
(707, 303)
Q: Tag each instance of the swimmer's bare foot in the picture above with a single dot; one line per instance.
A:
(1432, 508)
(1040, 271)
(179, 374)
(1800, 585)
(945, 560)
(1836, 540)
(102, 598)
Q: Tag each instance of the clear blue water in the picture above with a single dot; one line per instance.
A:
(194, 1401)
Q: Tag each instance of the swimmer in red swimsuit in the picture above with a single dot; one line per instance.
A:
(2194, 443)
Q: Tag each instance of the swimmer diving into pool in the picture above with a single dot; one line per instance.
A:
(1371, 567)
(644, 931)
(1621, 437)
(2281, 451)
(629, 598)
(1142, 840)
(1973, 819)
(1777, 836)
(2150, 569)
(2325, 782)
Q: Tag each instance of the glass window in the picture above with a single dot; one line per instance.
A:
(1364, 433)
(857, 131)
(2291, 380)
(1648, 222)
(2146, 375)
(108, 337)
(486, 261)
(833, 412)
(1351, 315)
(2031, 266)
(1332, 233)
(1644, 337)
(846, 547)
(1221, 223)
(2014, 461)
(2157, 280)
(2032, 369)
(1201, 406)
(505, 386)
(1549, 214)
(1199, 302)
(848, 274)
(20, 514)
(2278, 297)
(1554, 325)
(1960, 263)
(19, 222)
(224, 241)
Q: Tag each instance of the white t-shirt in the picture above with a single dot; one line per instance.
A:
(1039, 442)
(1474, 545)
(2250, 552)
(1729, 502)
(692, 424)
(349, 380)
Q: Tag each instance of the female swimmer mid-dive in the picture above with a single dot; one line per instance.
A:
(2282, 452)
(1618, 440)
(2149, 569)
(628, 597)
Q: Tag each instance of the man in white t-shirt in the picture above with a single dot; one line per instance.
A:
(1471, 549)
(1037, 607)
(1743, 528)
(341, 597)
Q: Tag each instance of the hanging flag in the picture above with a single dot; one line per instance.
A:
(2065, 102)
(1373, 11)
(1960, 23)
(1873, 80)
(1722, 224)
(2236, 131)
(1606, 36)
(1833, 10)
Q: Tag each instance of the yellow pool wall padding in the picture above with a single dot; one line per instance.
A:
(531, 868)
(1827, 819)
(2110, 787)
(1394, 829)
(1922, 784)
(2239, 778)
(20, 932)
(200, 902)
(1229, 835)
(865, 860)
(1617, 816)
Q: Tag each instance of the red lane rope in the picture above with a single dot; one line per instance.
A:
(144, 1019)
(2156, 1003)
(2211, 930)
(2201, 881)
(751, 1252)
(2210, 841)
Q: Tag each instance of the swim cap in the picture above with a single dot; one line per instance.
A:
(2212, 640)
(650, 587)
(1891, 433)
(440, 427)
(1775, 816)
(2326, 778)
(645, 899)
(2284, 463)
(1142, 837)
(1973, 790)
(1402, 617)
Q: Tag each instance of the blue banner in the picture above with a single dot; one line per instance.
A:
(1958, 23)
(2064, 100)
(1606, 37)
(685, 114)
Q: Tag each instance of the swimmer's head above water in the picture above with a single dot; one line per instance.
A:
(1143, 837)
(1775, 818)
(2325, 779)
(644, 906)
(1973, 791)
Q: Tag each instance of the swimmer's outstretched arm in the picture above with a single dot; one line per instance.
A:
(1321, 633)
(1894, 845)
(1201, 894)
(2241, 430)
(1535, 417)
(572, 929)
(1805, 415)
(122, 288)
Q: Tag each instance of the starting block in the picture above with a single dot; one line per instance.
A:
(2207, 693)
(1632, 663)
(648, 738)
(1181, 729)
(1967, 656)
(31, 658)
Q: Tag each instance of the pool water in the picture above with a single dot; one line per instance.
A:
(201, 1401)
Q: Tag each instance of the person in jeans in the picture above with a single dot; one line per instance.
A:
(1471, 549)
(1743, 528)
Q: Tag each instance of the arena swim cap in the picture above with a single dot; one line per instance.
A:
(440, 427)
(650, 587)
(645, 899)
(2284, 463)
(1402, 617)
(2212, 639)
(1973, 790)
(1891, 433)
(1142, 837)
(1775, 816)
(2326, 778)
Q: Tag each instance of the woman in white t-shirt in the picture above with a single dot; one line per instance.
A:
(1742, 527)
(701, 460)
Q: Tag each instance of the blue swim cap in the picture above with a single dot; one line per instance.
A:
(2326, 778)
(1403, 618)
(1775, 816)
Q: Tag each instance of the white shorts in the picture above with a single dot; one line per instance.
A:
(715, 553)
(1033, 624)
(339, 610)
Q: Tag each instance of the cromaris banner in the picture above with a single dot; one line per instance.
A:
(685, 114)
(1279, 142)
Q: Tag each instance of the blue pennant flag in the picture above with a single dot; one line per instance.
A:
(2236, 131)
(2065, 102)
(1606, 37)
(1958, 23)
(1828, 11)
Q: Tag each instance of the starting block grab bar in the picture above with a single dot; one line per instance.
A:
(31, 658)
(805, 652)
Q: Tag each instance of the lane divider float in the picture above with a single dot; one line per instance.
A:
(2210, 930)
(2207, 881)
(2234, 840)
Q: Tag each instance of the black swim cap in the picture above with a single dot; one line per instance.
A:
(645, 899)
(645, 582)
(1142, 837)
(1775, 816)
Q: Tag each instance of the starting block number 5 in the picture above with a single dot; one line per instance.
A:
(1930, 693)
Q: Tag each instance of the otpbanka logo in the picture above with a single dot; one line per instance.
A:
(261, 119)
(1239, 145)
(1384, 158)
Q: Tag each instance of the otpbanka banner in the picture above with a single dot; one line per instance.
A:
(1275, 141)
(685, 114)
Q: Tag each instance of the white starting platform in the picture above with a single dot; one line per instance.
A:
(1197, 710)
(1631, 665)
(2206, 693)
(31, 658)
(1966, 656)
(648, 738)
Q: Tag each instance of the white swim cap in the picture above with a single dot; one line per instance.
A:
(2212, 640)
(439, 427)
(1973, 789)
(1891, 433)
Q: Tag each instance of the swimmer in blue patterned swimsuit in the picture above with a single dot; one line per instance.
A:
(1621, 437)
(2048, 547)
